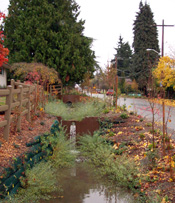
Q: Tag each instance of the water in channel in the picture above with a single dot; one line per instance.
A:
(81, 185)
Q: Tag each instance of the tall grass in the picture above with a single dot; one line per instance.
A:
(77, 111)
(62, 156)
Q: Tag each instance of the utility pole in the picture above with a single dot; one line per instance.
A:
(163, 26)
(116, 80)
(163, 103)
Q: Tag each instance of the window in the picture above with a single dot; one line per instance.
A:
(1, 71)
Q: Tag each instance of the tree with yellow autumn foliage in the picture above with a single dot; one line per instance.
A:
(109, 76)
(165, 72)
(134, 86)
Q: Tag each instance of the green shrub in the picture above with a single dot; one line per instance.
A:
(142, 135)
(42, 123)
(152, 157)
(148, 124)
(122, 148)
(105, 124)
(150, 146)
(141, 119)
(131, 112)
(111, 134)
(123, 108)
(106, 111)
(157, 131)
(124, 115)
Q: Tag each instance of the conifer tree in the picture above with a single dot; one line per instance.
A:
(123, 55)
(145, 37)
(48, 31)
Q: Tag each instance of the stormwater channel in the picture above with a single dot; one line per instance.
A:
(80, 184)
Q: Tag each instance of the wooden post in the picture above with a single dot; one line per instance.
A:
(20, 98)
(50, 89)
(47, 92)
(163, 109)
(35, 99)
(47, 88)
(42, 97)
(12, 82)
(61, 89)
(8, 113)
(29, 105)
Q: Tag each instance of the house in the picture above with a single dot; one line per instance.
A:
(128, 81)
(3, 75)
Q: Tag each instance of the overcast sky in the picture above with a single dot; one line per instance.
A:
(106, 20)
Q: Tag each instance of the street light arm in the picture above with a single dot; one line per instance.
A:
(153, 50)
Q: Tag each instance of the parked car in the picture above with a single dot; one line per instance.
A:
(98, 91)
(110, 92)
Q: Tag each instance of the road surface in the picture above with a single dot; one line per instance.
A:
(143, 107)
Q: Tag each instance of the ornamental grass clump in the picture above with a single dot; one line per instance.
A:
(100, 154)
(62, 156)
(77, 111)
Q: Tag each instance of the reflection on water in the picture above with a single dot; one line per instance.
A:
(80, 185)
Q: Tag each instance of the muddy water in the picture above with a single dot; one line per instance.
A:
(81, 185)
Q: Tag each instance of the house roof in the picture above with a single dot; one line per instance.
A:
(128, 81)
(6, 66)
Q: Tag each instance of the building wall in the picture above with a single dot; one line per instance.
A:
(3, 77)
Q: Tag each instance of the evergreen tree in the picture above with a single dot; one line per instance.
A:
(123, 55)
(48, 31)
(145, 37)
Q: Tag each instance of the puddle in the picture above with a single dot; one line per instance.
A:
(80, 185)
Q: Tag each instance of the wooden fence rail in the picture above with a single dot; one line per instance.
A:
(21, 99)
(55, 89)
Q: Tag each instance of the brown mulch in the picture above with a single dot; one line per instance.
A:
(16, 145)
(137, 135)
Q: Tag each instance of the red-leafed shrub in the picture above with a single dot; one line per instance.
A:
(3, 51)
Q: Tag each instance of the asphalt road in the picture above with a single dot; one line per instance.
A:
(143, 107)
